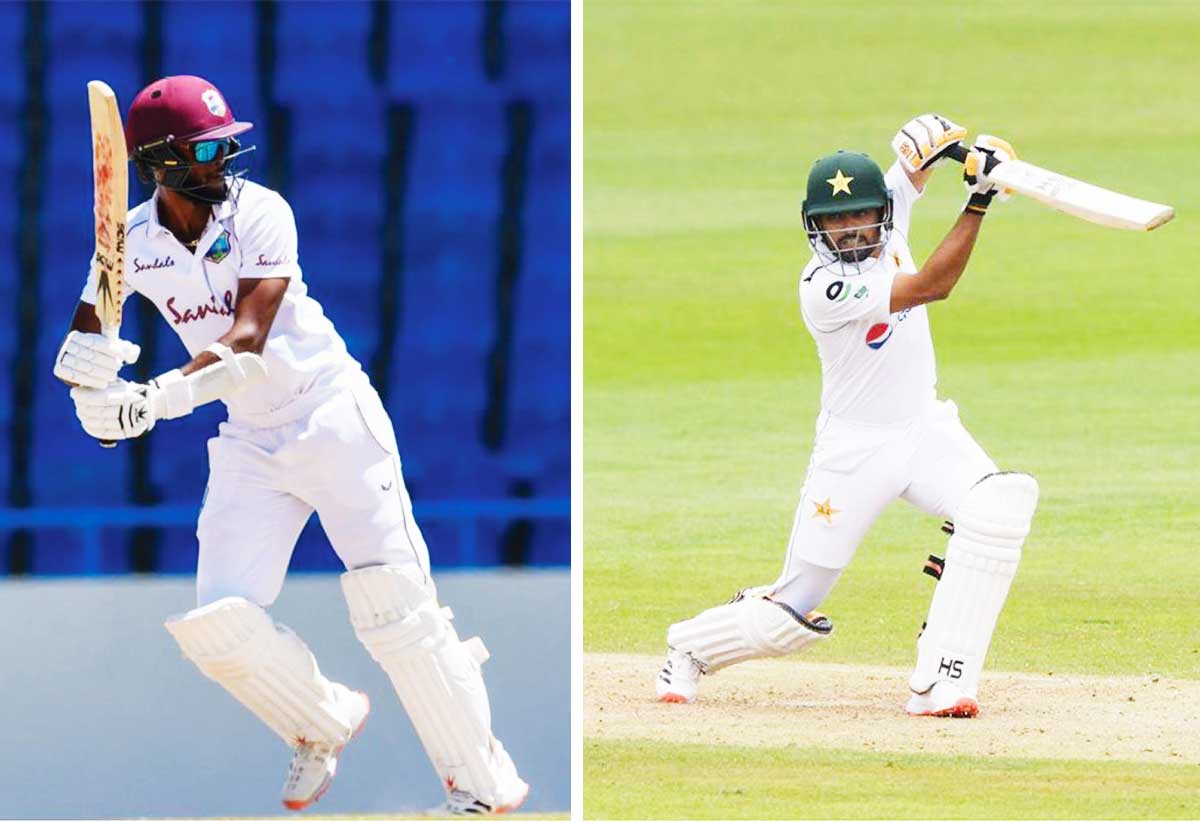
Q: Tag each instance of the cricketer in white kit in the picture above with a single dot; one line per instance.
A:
(882, 434)
(217, 256)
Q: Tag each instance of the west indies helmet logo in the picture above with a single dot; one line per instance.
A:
(219, 250)
(212, 99)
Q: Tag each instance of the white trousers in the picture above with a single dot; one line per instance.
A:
(858, 469)
(340, 459)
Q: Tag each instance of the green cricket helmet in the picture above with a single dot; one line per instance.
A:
(840, 182)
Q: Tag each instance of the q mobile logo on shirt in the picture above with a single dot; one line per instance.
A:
(878, 334)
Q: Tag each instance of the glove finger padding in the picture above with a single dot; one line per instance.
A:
(92, 360)
(924, 141)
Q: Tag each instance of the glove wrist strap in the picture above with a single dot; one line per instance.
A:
(978, 203)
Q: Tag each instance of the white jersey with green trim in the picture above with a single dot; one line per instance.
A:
(876, 367)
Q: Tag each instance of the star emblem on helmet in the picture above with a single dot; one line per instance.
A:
(840, 183)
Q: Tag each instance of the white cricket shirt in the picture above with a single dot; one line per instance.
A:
(876, 367)
(196, 293)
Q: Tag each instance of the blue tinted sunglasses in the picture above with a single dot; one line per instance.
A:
(205, 151)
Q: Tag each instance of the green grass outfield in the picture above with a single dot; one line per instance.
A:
(783, 783)
(1073, 351)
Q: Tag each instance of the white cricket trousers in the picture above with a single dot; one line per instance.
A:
(856, 471)
(339, 459)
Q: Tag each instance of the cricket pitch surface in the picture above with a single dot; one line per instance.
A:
(777, 703)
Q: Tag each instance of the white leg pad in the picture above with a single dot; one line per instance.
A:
(981, 559)
(437, 678)
(749, 627)
(264, 666)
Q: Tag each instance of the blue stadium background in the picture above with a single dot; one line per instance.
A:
(425, 149)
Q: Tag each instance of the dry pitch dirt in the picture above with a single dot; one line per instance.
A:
(779, 703)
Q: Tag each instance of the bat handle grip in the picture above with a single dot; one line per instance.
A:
(959, 152)
(112, 332)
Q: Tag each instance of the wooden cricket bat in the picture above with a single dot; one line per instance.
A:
(110, 171)
(1075, 197)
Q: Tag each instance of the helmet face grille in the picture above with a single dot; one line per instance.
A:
(849, 263)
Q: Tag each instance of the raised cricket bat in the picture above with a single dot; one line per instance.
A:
(1075, 197)
(110, 171)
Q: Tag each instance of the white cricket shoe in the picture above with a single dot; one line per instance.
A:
(943, 699)
(678, 679)
(462, 803)
(315, 763)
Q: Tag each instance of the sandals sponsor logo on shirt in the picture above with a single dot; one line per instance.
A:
(280, 260)
(157, 262)
(224, 309)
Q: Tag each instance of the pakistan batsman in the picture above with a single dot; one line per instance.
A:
(882, 433)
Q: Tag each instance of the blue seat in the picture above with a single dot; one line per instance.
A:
(179, 452)
(537, 39)
(334, 136)
(92, 42)
(435, 50)
(178, 551)
(551, 543)
(326, 53)
(57, 551)
(12, 53)
(219, 42)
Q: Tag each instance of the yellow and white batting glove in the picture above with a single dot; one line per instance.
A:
(982, 157)
(1000, 150)
(92, 360)
(923, 141)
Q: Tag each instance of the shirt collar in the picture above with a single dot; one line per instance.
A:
(221, 212)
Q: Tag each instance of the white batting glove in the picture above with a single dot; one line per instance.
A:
(124, 410)
(923, 141)
(92, 360)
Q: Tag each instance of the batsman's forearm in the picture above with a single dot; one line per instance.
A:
(949, 259)
(244, 336)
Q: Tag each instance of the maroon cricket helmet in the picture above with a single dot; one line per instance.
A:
(183, 108)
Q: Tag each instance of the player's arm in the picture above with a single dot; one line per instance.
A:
(258, 302)
(945, 265)
(124, 410)
(941, 271)
(922, 143)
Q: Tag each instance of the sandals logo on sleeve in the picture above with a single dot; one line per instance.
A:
(219, 250)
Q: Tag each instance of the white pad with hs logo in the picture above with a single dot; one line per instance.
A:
(990, 527)
(266, 667)
(748, 627)
(437, 677)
